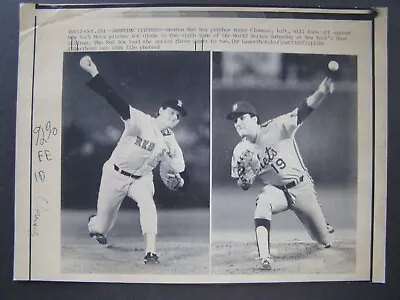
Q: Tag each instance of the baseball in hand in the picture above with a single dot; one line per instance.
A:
(333, 66)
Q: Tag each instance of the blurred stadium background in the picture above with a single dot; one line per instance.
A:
(91, 128)
(275, 84)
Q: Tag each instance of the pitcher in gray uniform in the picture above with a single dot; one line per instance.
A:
(276, 161)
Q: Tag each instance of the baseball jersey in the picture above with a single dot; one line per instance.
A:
(276, 151)
(142, 145)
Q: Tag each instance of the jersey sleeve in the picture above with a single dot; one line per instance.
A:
(136, 119)
(102, 88)
(288, 123)
(177, 160)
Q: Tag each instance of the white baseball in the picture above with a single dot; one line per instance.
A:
(333, 65)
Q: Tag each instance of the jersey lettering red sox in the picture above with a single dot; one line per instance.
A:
(275, 151)
(142, 146)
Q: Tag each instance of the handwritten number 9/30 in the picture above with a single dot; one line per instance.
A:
(43, 134)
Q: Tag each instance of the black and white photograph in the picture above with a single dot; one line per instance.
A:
(213, 145)
(135, 163)
(284, 152)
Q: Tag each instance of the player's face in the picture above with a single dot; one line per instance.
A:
(246, 125)
(170, 117)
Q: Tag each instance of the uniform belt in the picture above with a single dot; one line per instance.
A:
(119, 170)
(291, 184)
(285, 188)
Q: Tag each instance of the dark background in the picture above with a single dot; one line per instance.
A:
(49, 290)
(91, 128)
(327, 140)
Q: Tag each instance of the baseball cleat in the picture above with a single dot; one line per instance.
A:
(330, 228)
(151, 259)
(100, 238)
(266, 263)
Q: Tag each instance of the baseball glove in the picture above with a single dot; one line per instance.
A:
(172, 181)
(247, 168)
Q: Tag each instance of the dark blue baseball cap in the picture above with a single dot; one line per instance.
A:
(177, 105)
(241, 108)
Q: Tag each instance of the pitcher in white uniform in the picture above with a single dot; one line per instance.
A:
(279, 166)
(128, 172)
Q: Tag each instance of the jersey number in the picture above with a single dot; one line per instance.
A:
(279, 164)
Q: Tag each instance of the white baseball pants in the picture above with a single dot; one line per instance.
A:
(113, 189)
(272, 200)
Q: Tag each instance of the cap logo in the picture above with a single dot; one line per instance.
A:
(179, 103)
(235, 107)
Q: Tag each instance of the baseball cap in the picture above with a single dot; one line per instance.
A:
(241, 108)
(177, 105)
